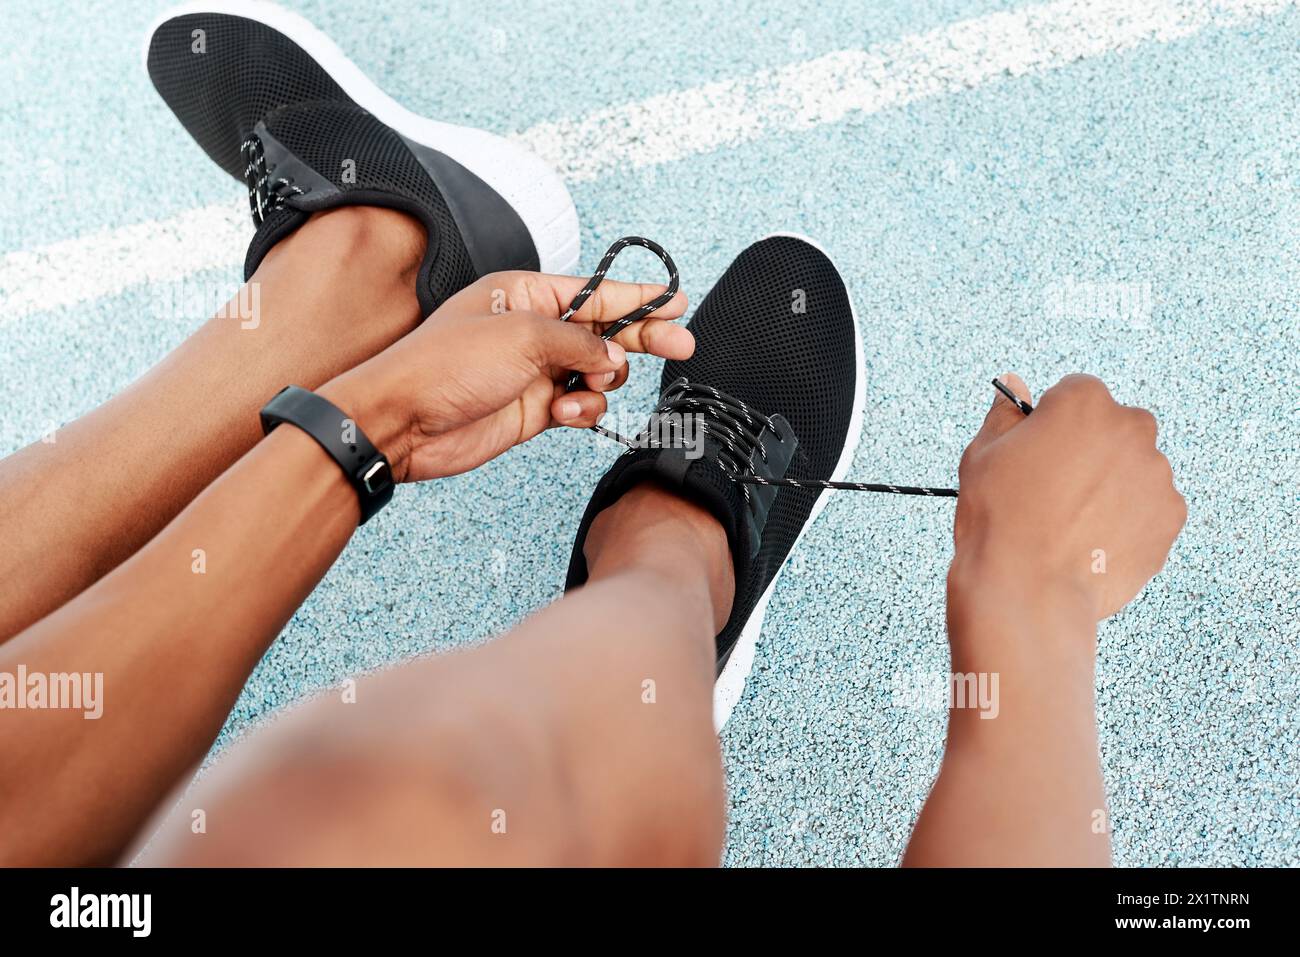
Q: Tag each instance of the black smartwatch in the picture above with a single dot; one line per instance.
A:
(365, 466)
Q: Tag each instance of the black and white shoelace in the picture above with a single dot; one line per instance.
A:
(734, 425)
(264, 195)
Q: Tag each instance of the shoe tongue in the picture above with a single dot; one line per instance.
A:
(280, 159)
(337, 154)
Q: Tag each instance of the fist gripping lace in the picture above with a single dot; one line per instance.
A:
(733, 424)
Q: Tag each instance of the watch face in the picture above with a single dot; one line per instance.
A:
(376, 476)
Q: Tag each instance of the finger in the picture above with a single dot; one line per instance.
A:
(620, 377)
(561, 345)
(606, 381)
(1077, 389)
(611, 301)
(598, 381)
(1003, 415)
(549, 296)
(1144, 423)
(578, 410)
(658, 337)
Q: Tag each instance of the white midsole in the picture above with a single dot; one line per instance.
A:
(731, 683)
(523, 179)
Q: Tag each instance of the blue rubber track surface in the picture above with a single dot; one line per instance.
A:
(988, 228)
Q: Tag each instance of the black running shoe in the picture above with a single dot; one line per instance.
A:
(278, 106)
(777, 383)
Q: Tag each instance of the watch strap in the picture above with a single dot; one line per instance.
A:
(366, 468)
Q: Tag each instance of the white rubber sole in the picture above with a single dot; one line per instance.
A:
(519, 176)
(731, 683)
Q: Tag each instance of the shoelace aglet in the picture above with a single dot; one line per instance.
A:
(1018, 402)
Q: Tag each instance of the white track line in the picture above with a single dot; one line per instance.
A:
(672, 126)
(109, 261)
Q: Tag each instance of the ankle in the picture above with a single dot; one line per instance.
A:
(651, 528)
(368, 237)
(354, 249)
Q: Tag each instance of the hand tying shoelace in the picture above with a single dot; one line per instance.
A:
(731, 422)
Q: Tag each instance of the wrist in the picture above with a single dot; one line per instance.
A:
(379, 411)
(1003, 605)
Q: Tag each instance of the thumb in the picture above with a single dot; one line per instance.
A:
(569, 346)
(1003, 416)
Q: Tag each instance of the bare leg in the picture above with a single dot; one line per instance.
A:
(333, 294)
(585, 736)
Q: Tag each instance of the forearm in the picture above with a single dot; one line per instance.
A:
(80, 502)
(174, 631)
(62, 499)
(1021, 782)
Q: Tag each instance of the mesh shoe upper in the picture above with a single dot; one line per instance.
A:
(242, 78)
(369, 163)
(776, 332)
(243, 71)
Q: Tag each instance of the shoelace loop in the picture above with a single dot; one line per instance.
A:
(602, 270)
(264, 195)
(636, 315)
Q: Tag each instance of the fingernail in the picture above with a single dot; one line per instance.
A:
(607, 378)
(569, 409)
(617, 354)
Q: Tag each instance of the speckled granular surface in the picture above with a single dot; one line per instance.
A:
(1132, 214)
